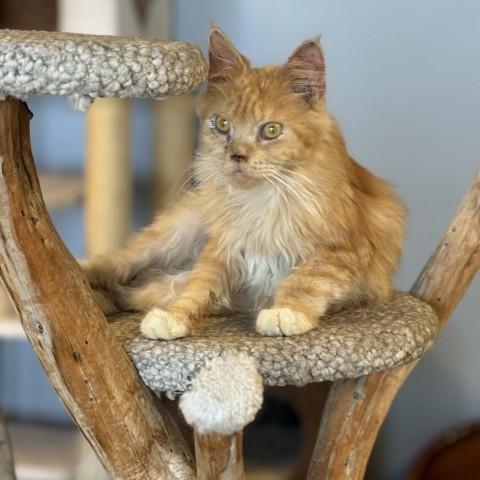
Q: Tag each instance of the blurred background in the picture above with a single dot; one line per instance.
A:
(403, 81)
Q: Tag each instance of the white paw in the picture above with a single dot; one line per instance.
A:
(160, 324)
(283, 321)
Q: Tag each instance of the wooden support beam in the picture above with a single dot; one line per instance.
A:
(7, 471)
(80, 354)
(109, 185)
(219, 457)
(450, 270)
(356, 408)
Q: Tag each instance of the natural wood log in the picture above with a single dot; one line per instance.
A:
(6, 310)
(59, 191)
(7, 471)
(351, 420)
(108, 195)
(449, 271)
(80, 354)
(219, 457)
(356, 408)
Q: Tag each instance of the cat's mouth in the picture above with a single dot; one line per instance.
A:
(240, 175)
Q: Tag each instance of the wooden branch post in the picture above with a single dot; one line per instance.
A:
(81, 356)
(219, 457)
(7, 471)
(109, 185)
(356, 408)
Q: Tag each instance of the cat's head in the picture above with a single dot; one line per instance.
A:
(258, 124)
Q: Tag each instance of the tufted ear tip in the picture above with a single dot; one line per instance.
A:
(223, 56)
(214, 26)
(306, 68)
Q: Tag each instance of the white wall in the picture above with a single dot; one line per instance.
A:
(404, 81)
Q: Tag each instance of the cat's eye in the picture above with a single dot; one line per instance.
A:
(271, 130)
(222, 125)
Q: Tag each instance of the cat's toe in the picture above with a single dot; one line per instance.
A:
(163, 325)
(283, 321)
(268, 323)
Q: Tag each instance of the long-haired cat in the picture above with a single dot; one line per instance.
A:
(283, 222)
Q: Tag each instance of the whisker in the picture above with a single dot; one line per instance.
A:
(206, 168)
(307, 180)
(311, 194)
(305, 197)
(187, 177)
(279, 191)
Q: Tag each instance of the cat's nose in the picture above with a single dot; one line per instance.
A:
(239, 157)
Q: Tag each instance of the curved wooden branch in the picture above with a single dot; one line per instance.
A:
(356, 408)
(449, 271)
(82, 358)
(219, 457)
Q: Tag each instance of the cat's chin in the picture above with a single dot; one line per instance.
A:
(243, 180)
(241, 176)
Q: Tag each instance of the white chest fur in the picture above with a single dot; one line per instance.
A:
(261, 275)
(263, 245)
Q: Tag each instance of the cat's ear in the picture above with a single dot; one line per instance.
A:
(223, 56)
(306, 69)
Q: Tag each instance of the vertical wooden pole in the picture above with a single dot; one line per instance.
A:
(174, 139)
(356, 408)
(83, 360)
(7, 471)
(219, 457)
(108, 175)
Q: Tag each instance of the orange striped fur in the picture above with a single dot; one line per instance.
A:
(285, 227)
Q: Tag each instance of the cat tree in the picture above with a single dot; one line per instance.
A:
(95, 366)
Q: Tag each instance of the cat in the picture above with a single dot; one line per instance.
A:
(283, 222)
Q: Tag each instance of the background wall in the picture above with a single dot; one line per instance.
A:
(404, 82)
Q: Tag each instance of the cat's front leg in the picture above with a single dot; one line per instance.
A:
(304, 296)
(206, 291)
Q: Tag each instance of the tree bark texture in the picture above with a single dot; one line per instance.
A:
(81, 356)
(7, 471)
(356, 408)
(219, 457)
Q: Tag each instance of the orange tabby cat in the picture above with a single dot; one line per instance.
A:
(284, 223)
